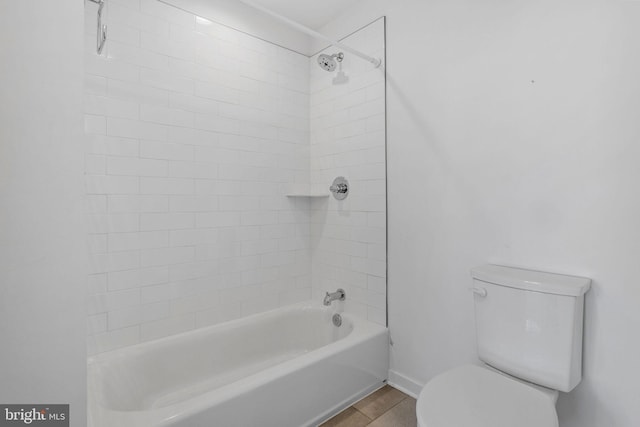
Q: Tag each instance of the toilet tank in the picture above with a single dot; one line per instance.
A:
(529, 324)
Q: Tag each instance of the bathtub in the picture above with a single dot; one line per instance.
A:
(289, 367)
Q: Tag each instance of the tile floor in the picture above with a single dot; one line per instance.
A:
(386, 407)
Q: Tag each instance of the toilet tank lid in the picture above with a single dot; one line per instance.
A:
(531, 280)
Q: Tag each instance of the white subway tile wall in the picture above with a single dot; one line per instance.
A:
(195, 133)
(347, 135)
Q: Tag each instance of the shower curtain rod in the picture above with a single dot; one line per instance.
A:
(375, 61)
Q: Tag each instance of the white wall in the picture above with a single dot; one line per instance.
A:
(195, 134)
(513, 139)
(348, 238)
(42, 240)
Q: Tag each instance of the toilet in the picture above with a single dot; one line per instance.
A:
(529, 337)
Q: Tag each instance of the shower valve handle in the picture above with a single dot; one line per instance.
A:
(339, 188)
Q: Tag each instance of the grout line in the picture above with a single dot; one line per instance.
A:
(399, 402)
(365, 415)
(385, 412)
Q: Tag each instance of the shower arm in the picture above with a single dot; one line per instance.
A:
(375, 61)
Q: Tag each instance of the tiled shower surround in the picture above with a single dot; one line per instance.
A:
(195, 134)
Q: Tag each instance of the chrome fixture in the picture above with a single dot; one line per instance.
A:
(340, 188)
(102, 29)
(328, 62)
(337, 295)
(337, 320)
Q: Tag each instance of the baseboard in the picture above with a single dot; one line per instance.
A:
(404, 384)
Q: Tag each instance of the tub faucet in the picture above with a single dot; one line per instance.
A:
(337, 295)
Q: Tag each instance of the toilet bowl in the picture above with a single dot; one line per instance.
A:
(473, 396)
(529, 335)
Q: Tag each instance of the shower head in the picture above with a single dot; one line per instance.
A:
(328, 62)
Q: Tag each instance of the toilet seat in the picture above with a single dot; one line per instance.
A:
(471, 396)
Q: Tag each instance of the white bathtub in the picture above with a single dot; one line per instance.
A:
(288, 367)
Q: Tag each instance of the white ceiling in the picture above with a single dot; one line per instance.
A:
(312, 13)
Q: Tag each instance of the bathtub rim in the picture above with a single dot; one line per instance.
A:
(138, 348)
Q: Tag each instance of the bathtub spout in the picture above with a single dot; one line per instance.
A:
(337, 295)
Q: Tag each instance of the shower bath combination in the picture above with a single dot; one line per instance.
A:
(262, 366)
